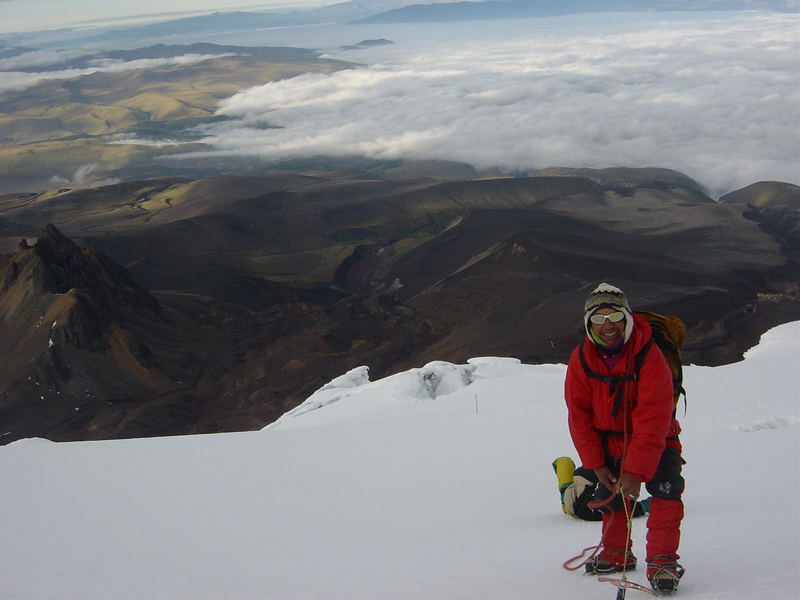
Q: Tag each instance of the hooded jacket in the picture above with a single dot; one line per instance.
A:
(645, 417)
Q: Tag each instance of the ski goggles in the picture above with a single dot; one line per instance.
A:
(614, 317)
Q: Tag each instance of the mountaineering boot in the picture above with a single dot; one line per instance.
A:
(664, 574)
(613, 558)
(663, 537)
(610, 560)
(564, 468)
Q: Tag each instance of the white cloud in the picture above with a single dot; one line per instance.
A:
(82, 177)
(716, 98)
(115, 65)
(39, 58)
(18, 80)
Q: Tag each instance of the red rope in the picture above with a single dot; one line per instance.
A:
(602, 503)
(569, 567)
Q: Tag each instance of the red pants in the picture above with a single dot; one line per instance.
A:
(666, 510)
(663, 529)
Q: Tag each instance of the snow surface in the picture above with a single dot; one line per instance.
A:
(431, 484)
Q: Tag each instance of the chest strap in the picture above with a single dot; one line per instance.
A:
(615, 381)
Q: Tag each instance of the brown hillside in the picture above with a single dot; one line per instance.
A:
(269, 286)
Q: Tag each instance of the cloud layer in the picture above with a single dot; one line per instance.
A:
(18, 80)
(717, 98)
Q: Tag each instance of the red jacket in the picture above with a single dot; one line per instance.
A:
(647, 404)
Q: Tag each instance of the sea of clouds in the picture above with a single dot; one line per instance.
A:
(713, 95)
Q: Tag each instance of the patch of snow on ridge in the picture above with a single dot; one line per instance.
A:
(34, 441)
(784, 338)
(440, 378)
(357, 398)
(331, 392)
(353, 378)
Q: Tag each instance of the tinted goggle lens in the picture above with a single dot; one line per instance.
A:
(614, 317)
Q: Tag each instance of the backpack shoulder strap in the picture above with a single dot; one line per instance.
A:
(612, 380)
(638, 360)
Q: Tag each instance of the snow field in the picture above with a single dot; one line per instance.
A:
(432, 484)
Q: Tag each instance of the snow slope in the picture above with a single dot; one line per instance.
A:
(430, 484)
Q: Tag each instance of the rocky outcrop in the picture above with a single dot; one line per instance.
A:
(776, 206)
(73, 335)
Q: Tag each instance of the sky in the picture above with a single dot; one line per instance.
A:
(30, 15)
(432, 484)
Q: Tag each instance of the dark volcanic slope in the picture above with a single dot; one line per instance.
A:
(75, 341)
(774, 205)
(269, 286)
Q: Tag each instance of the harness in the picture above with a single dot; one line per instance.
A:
(616, 382)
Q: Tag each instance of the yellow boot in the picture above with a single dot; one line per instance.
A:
(564, 468)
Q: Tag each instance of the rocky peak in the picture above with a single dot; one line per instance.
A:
(75, 335)
(56, 265)
(86, 293)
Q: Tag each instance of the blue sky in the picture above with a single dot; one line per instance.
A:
(30, 15)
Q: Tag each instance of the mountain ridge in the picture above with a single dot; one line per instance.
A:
(517, 9)
(231, 299)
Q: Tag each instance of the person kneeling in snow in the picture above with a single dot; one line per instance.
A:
(619, 397)
(577, 488)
